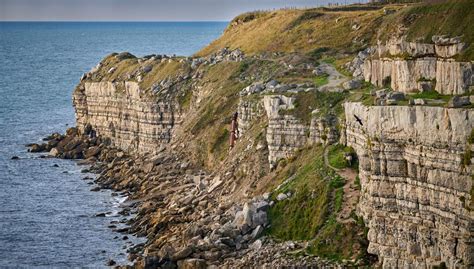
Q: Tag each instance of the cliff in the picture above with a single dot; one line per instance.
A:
(117, 111)
(411, 66)
(417, 179)
(342, 127)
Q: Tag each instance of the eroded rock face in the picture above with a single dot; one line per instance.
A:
(248, 111)
(286, 133)
(133, 122)
(416, 183)
(406, 66)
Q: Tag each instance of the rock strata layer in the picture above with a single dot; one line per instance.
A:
(409, 66)
(119, 111)
(416, 175)
(286, 133)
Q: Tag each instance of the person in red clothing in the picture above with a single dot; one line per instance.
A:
(234, 130)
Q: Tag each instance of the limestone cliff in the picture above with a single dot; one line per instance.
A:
(417, 178)
(120, 112)
(286, 133)
(412, 66)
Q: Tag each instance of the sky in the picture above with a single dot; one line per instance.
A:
(142, 10)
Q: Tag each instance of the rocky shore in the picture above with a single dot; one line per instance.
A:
(178, 209)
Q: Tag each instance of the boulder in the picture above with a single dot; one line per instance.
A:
(381, 93)
(419, 102)
(37, 148)
(271, 84)
(459, 101)
(425, 86)
(256, 245)
(352, 84)
(111, 70)
(54, 152)
(397, 96)
(257, 232)
(92, 152)
(259, 218)
(243, 219)
(390, 101)
(216, 182)
(281, 197)
(192, 264)
(147, 68)
(183, 253)
(151, 262)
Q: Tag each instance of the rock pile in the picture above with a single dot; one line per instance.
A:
(273, 86)
(178, 206)
(387, 97)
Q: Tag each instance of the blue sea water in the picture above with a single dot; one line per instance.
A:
(47, 213)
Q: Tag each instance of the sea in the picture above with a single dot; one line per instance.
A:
(47, 211)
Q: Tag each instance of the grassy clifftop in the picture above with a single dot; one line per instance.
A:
(345, 29)
(298, 30)
(423, 21)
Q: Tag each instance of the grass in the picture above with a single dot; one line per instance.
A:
(162, 71)
(326, 102)
(310, 30)
(310, 213)
(338, 241)
(423, 21)
(321, 80)
(336, 156)
(304, 213)
(430, 95)
(297, 30)
(209, 124)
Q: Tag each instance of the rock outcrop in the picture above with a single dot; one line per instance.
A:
(407, 66)
(286, 133)
(417, 177)
(119, 111)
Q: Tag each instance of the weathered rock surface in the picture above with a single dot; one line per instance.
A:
(120, 112)
(286, 133)
(407, 66)
(416, 183)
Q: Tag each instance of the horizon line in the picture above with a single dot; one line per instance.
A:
(95, 21)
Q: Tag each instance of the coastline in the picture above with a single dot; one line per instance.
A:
(144, 182)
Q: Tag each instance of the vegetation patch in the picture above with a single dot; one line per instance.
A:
(321, 80)
(300, 216)
(310, 212)
(337, 156)
(326, 103)
(424, 20)
(307, 15)
(298, 30)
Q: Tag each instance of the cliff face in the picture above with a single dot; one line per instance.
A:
(416, 176)
(119, 111)
(411, 66)
(286, 133)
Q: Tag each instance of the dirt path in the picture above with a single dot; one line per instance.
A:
(351, 193)
(335, 78)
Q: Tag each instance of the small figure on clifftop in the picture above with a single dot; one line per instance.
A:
(234, 130)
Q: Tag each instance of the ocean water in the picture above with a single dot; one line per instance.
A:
(47, 212)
